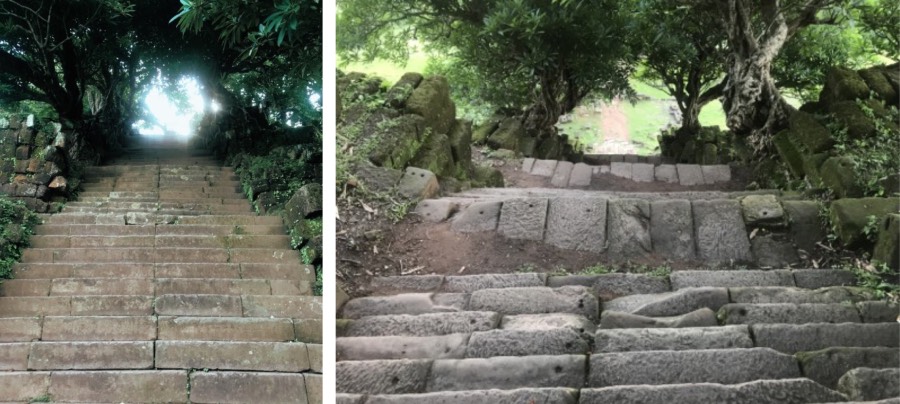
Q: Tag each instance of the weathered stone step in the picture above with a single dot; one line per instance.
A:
(512, 193)
(704, 317)
(662, 339)
(773, 294)
(826, 366)
(793, 338)
(725, 366)
(731, 279)
(231, 241)
(250, 387)
(70, 355)
(157, 230)
(674, 303)
(785, 391)
(454, 284)
(867, 384)
(152, 205)
(420, 326)
(226, 329)
(226, 355)
(96, 386)
(450, 346)
(288, 271)
(792, 313)
(523, 395)
(216, 209)
(159, 255)
(420, 376)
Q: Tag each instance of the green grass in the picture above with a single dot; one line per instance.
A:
(387, 70)
(645, 119)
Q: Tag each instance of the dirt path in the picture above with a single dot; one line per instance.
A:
(614, 130)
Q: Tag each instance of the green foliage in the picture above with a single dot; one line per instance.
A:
(46, 398)
(598, 269)
(875, 157)
(880, 19)
(878, 277)
(16, 227)
(282, 171)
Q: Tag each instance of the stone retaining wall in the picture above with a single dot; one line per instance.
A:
(33, 162)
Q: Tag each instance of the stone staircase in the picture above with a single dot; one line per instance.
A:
(779, 336)
(160, 284)
(564, 174)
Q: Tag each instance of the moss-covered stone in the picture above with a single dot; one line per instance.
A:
(507, 135)
(305, 203)
(809, 134)
(487, 177)
(812, 165)
(710, 154)
(547, 149)
(481, 134)
(850, 217)
(848, 114)
(842, 85)
(887, 249)
(431, 100)
(789, 153)
(398, 94)
(527, 146)
(839, 174)
(397, 142)
(461, 140)
(878, 83)
(435, 155)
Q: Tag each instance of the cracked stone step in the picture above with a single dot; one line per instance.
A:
(662, 339)
(674, 303)
(795, 391)
(726, 366)
(793, 338)
(421, 325)
(787, 313)
(729, 279)
(704, 317)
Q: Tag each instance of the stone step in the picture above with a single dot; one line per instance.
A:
(662, 339)
(230, 241)
(513, 193)
(791, 313)
(96, 386)
(725, 366)
(249, 329)
(159, 255)
(794, 391)
(250, 387)
(153, 205)
(454, 284)
(836, 294)
(151, 287)
(826, 366)
(675, 303)
(288, 271)
(171, 210)
(25, 306)
(226, 355)
(704, 317)
(793, 338)
(419, 326)
(523, 395)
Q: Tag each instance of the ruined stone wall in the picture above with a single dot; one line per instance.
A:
(33, 162)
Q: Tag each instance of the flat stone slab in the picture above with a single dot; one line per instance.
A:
(410, 303)
(793, 338)
(672, 229)
(680, 339)
(865, 384)
(471, 283)
(436, 210)
(382, 376)
(642, 172)
(568, 299)
(666, 173)
(406, 284)
(790, 313)
(523, 219)
(821, 278)
(577, 224)
(527, 164)
(878, 312)
(689, 174)
(554, 321)
(778, 294)
(611, 286)
(828, 365)
(418, 183)
(730, 279)
(670, 304)
(727, 366)
(423, 325)
(559, 341)
(698, 318)
(716, 173)
(720, 232)
(524, 395)
(794, 391)
(581, 175)
(452, 346)
(629, 228)
(479, 216)
(507, 373)
(562, 173)
(620, 169)
(761, 210)
(544, 168)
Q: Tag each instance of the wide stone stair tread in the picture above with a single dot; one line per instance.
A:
(787, 391)
(523, 395)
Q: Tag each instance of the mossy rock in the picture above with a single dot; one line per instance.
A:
(527, 146)
(487, 177)
(461, 141)
(812, 165)
(507, 135)
(851, 216)
(809, 134)
(400, 92)
(842, 85)
(789, 153)
(305, 203)
(887, 249)
(877, 82)
(710, 154)
(548, 148)
(849, 115)
(376, 179)
(436, 156)
(839, 174)
(486, 129)
(398, 142)
(431, 100)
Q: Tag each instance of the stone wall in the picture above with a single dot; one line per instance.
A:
(33, 162)
(508, 132)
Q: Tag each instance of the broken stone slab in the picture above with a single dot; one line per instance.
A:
(878, 312)
(562, 173)
(544, 168)
(793, 338)
(581, 175)
(539, 322)
(867, 384)
(727, 366)
(730, 279)
(471, 283)
(629, 228)
(537, 300)
(417, 183)
(451, 346)
(436, 210)
(410, 303)
(577, 224)
(523, 219)
(382, 376)
(666, 173)
(642, 172)
(559, 341)
(388, 285)
(670, 304)
(698, 318)
(422, 325)
(790, 313)
(779, 294)
(523, 395)
(689, 174)
(672, 229)
(662, 339)
(507, 373)
(527, 164)
(611, 286)
(784, 391)
(720, 232)
(716, 173)
(826, 366)
(479, 216)
(822, 278)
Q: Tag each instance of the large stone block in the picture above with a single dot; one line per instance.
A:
(629, 228)
(398, 142)
(839, 174)
(577, 224)
(689, 174)
(436, 155)
(400, 92)
(887, 249)
(828, 365)
(672, 229)
(452, 346)
(507, 373)
(661, 339)
(851, 217)
(382, 376)
(730, 279)
(523, 219)
(720, 232)
(567, 299)
(507, 135)
(422, 325)
(762, 210)
(809, 134)
(787, 313)
(794, 391)
(581, 175)
(611, 286)
(806, 228)
(562, 174)
(789, 152)
(670, 304)
(778, 294)
(842, 84)
(523, 395)
(698, 318)
(544, 168)
(431, 100)
(666, 173)
(866, 384)
(793, 338)
(471, 283)
(479, 216)
(559, 341)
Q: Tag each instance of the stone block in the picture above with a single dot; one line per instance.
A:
(672, 229)
(666, 173)
(642, 172)
(670, 304)
(762, 210)
(423, 325)
(720, 232)
(774, 250)
(806, 227)
(828, 365)
(787, 313)
(729, 279)
(878, 312)
(527, 164)
(436, 210)
(839, 174)
(822, 278)
(809, 134)
(417, 183)
(760, 391)
(544, 168)
(523, 219)
(471, 283)
(611, 286)
(629, 228)
(866, 384)
(581, 175)
(793, 338)
(851, 216)
(507, 373)
(698, 318)
(559, 341)
(120, 386)
(689, 174)
(887, 249)
(661, 339)
(567, 299)
(562, 173)
(382, 376)
(522, 395)
(577, 224)
(452, 346)
(622, 170)
(431, 100)
(552, 321)
(479, 216)
(242, 387)
(776, 294)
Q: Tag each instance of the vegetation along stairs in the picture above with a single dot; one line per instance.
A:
(748, 336)
(160, 284)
